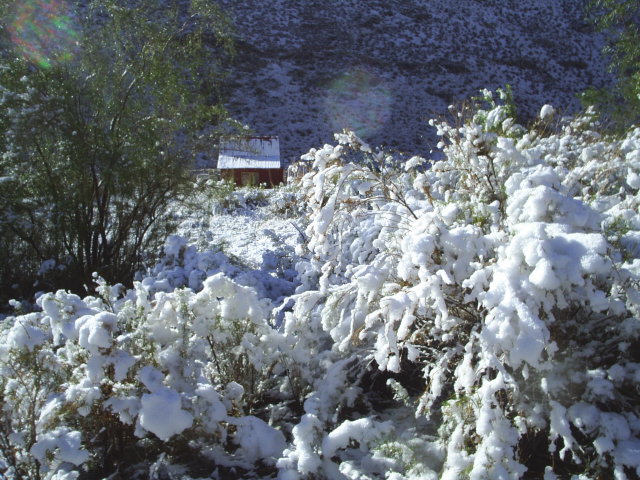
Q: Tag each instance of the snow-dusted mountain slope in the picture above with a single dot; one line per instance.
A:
(306, 69)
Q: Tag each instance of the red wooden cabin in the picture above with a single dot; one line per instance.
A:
(251, 161)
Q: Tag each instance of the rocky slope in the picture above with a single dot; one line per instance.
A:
(306, 69)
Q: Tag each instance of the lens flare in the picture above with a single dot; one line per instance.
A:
(44, 31)
(358, 101)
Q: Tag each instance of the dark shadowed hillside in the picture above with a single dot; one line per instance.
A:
(307, 69)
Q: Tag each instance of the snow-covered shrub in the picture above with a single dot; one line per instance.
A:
(213, 194)
(96, 384)
(232, 199)
(210, 193)
(287, 201)
(499, 286)
(254, 196)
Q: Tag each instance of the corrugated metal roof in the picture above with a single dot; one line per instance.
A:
(250, 152)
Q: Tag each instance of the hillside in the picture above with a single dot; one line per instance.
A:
(383, 68)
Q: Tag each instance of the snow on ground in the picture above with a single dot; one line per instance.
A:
(244, 233)
(252, 234)
(242, 223)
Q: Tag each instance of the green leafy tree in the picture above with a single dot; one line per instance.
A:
(620, 21)
(102, 110)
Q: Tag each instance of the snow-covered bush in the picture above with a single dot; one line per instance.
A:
(287, 201)
(241, 199)
(97, 384)
(499, 286)
(210, 193)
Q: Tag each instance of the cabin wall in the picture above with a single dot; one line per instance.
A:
(246, 176)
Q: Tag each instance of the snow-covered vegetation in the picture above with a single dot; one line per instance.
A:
(473, 317)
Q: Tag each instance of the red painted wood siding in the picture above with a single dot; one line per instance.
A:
(270, 177)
